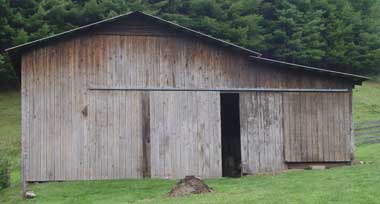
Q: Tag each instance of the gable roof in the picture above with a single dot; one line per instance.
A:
(22, 47)
(16, 51)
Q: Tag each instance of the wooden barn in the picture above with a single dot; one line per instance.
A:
(136, 96)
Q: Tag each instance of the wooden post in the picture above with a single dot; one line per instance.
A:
(24, 166)
(352, 149)
(24, 128)
(23, 180)
(146, 134)
(24, 156)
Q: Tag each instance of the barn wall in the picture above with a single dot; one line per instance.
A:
(185, 134)
(317, 127)
(56, 81)
(113, 147)
(151, 61)
(277, 128)
(261, 118)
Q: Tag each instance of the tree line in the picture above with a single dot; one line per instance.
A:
(342, 35)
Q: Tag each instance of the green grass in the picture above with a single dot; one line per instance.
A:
(351, 184)
(10, 127)
(366, 102)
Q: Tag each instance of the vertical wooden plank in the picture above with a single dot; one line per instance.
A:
(288, 133)
(112, 113)
(36, 137)
(194, 152)
(62, 111)
(321, 129)
(34, 125)
(331, 128)
(117, 134)
(262, 114)
(338, 129)
(139, 136)
(24, 122)
(42, 114)
(129, 123)
(71, 140)
(200, 142)
(146, 135)
(49, 108)
(101, 123)
(154, 132)
(351, 150)
(122, 132)
(254, 138)
(244, 132)
(217, 146)
(132, 132)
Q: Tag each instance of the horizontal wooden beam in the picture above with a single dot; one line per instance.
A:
(227, 90)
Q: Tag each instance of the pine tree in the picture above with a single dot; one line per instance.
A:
(339, 34)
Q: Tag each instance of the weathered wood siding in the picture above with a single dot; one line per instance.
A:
(56, 80)
(261, 126)
(317, 127)
(113, 148)
(185, 134)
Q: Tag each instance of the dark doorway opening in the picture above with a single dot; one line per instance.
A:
(230, 122)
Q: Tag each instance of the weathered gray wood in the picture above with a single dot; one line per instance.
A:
(261, 132)
(322, 132)
(146, 134)
(224, 90)
(107, 133)
(182, 134)
(25, 126)
(62, 143)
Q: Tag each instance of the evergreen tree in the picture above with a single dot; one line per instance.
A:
(339, 34)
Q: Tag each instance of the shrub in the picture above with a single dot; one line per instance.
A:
(4, 172)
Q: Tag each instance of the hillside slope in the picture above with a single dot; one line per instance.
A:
(366, 102)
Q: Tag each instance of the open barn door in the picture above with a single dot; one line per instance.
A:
(185, 134)
(231, 145)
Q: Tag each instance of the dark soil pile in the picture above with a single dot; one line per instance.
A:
(189, 185)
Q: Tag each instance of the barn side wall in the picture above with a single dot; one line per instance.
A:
(58, 143)
(262, 135)
(307, 139)
(185, 138)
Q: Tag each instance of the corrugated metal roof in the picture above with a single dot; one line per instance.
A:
(16, 51)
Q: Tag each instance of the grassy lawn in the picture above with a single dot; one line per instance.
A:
(366, 102)
(10, 127)
(351, 184)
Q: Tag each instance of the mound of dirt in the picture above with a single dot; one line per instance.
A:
(189, 185)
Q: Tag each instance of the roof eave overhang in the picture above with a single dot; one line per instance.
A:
(356, 79)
